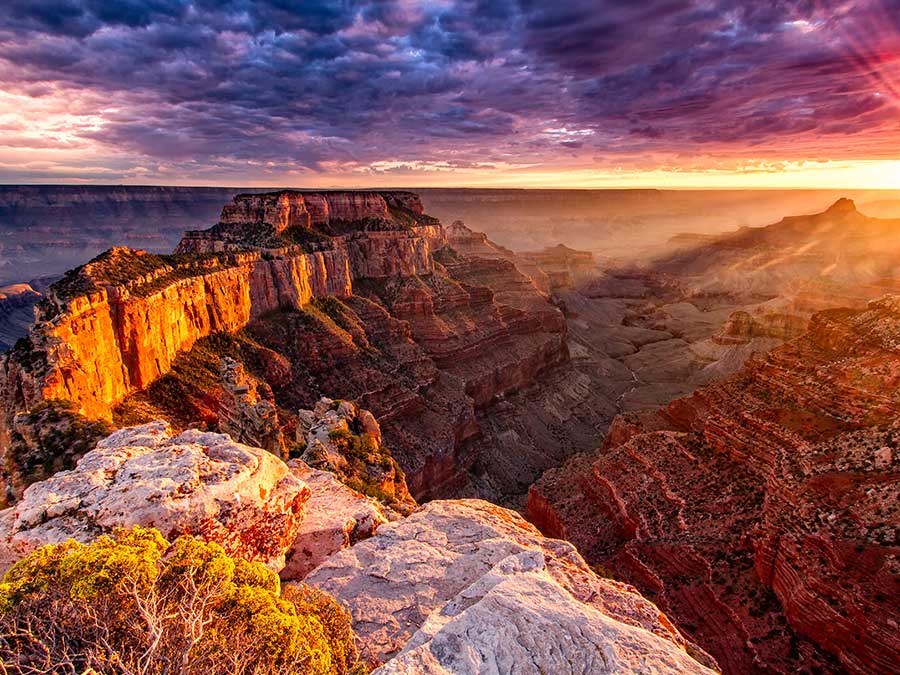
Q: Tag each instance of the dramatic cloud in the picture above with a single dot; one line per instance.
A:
(306, 91)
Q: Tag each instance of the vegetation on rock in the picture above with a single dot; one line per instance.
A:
(136, 604)
(50, 437)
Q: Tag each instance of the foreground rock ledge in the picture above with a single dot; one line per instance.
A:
(468, 587)
(241, 497)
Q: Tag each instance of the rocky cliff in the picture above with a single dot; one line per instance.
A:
(760, 513)
(116, 324)
(389, 317)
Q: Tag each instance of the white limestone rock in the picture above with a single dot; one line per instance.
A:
(465, 586)
(336, 517)
(201, 483)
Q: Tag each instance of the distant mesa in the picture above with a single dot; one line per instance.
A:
(276, 219)
(842, 205)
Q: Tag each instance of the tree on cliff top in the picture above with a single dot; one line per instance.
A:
(134, 604)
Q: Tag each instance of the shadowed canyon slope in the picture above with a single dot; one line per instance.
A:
(762, 512)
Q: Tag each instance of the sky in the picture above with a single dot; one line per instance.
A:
(513, 93)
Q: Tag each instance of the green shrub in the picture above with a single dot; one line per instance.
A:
(133, 603)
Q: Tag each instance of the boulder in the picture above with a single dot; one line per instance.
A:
(241, 497)
(465, 586)
(336, 517)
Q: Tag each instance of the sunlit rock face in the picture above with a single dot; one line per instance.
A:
(464, 586)
(200, 483)
(115, 325)
(760, 513)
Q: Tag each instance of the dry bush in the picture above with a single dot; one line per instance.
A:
(133, 604)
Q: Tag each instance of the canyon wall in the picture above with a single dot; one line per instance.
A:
(115, 325)
(760, 512)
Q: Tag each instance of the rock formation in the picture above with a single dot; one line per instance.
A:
(565, 267)
(290, 517)
(200, 483)
(840, 244)
(116, 325)
(341, 438)
(468, 587)
(335, 517)
(429, 354)
(760, 513)
(247, 410)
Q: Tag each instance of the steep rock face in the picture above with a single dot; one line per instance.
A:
(466, 586)
(205, 484)
(761, 513)
(247, 410)
(116, 325)
(282, 210)
(564, 266)
(742, 327)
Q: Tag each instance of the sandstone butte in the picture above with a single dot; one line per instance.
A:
(761, 513)
(419, 333)
(459, 586)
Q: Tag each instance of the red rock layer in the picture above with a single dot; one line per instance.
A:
(425, 354)
(118, 323)
(762, 513)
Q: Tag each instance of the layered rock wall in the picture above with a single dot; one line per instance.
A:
(761, 512)
(106, 337)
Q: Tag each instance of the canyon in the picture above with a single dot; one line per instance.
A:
(703, 424)
(414, 585)
(791, 563)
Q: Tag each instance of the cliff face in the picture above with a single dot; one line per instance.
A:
(760, 513)
(350, 295)
(116, 325)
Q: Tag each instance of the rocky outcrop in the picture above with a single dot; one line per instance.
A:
(335, 517)
(468, 587)
(247, 410)
(742, 327)
(760, 513)
(343, 439)
(289, 516)
(565, 267)
(205, 484)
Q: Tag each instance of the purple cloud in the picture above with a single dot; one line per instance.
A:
(251, 85)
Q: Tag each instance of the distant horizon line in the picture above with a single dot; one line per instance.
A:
(698, 188)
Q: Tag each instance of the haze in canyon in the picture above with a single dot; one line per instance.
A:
(450, 337)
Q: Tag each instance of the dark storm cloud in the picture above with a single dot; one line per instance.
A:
(302, 82)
